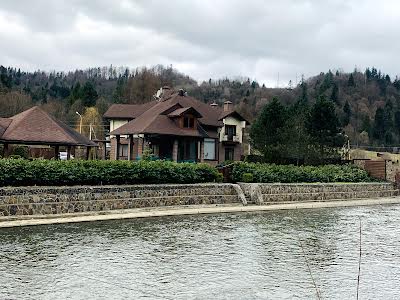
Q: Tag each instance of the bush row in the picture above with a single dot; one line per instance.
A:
(257, 172)
(19, 172)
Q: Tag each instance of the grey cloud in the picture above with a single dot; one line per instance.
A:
(204, 38)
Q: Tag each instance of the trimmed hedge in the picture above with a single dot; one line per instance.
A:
(20, 172)
(291, 174)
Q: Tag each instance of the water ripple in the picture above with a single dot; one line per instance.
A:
(236, 256)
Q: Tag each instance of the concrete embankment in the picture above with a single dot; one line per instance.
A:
(21, 206)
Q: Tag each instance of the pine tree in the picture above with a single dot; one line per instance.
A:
(323, 126)
(89, 94)
(335, 94)
(265, 132)
(379, 124)
(347, 114)
(304, 92)
(351, 81)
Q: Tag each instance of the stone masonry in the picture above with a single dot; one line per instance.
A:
(17, 201)
(270, 193)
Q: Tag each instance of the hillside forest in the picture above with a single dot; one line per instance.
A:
(367, 102)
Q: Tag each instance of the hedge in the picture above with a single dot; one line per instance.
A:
(293, 174)
(20, 172)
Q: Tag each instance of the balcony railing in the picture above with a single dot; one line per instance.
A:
(231, 138)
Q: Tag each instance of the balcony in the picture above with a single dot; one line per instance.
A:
(231, 138)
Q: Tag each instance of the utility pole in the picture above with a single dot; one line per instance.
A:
(80, 122)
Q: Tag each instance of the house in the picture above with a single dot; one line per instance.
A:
(35, 127)
(177, 127)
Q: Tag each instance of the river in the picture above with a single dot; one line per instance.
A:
(268, 255)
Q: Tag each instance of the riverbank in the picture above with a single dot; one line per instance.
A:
(187, 210)
(20, 206)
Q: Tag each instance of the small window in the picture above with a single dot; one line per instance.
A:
(230, 130)
(123, 150)
(229, 153)
(209, 149)
(188, 122)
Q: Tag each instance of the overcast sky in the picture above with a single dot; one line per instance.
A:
(204, 39)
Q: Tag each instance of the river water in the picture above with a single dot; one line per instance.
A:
(269, 255)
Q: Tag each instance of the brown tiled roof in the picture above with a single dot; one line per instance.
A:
(4, 123)
(144, 122)
(127, 111)
(178, 112)
(34, 126)
(156, 117)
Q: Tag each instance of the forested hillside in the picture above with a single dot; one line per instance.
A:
(368, 103)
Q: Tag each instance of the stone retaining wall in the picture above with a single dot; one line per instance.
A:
(25, 201)
(17, 201)
(264, 193)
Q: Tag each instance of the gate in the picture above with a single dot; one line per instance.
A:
(376, 168)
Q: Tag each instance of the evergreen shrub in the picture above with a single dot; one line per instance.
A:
(270, 173)
(19, 172)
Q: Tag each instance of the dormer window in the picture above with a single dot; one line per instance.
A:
(188, 122)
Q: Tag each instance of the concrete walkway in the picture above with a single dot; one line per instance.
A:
(183, 210)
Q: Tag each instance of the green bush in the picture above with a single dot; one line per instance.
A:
(19, 172)
(291, 173)
(21, 151)
(247, 177)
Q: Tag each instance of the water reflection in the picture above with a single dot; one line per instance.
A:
(225, 256)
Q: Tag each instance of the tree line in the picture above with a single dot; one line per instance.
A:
(367, 103)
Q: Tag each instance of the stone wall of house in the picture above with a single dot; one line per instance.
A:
(17, 201)
(238, 151)
(269, 193)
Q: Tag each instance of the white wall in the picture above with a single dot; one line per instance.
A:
(114, 124)
(233, 121)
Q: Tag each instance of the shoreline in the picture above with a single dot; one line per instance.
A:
(150, 212)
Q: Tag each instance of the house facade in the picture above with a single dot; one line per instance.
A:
(176, 127)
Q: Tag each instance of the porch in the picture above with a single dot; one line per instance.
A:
(173, 148)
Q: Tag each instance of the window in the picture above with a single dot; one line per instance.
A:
(229, 153)
(123, 150)
(209, 149)
(230, 131)
(187, 150)
(188, 122)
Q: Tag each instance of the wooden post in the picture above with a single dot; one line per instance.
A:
(68, 152)
(105, 150)
(118, 139)
(87, 152)
(140, 146)
(56, 152)
(6, 150)
(202, 150)
(130, 146)
(175, 151)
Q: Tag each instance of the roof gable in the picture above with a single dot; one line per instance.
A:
(233, 113)
(184, 110)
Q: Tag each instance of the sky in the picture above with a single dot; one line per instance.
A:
(268, 41)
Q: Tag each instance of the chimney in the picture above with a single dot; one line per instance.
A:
(214, 105)
(228, 105)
